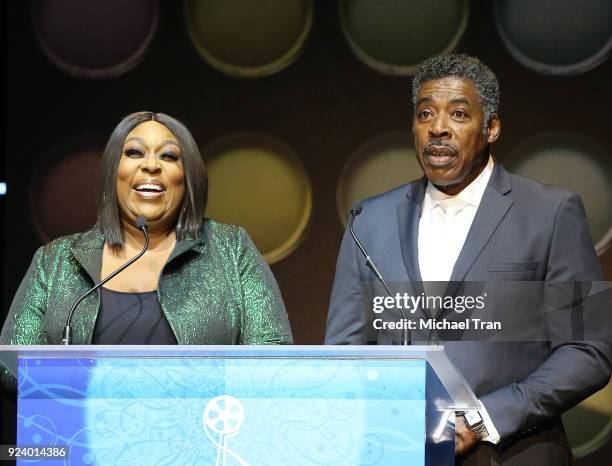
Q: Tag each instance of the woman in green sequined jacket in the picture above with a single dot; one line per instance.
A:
(212, 285)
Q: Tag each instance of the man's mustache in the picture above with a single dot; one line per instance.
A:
(431, 146)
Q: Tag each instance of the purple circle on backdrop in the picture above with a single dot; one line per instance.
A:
(63, 192)
(95, 40)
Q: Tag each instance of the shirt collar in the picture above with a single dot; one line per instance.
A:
(472, 194)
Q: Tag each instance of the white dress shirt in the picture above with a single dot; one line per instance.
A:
(443, 226)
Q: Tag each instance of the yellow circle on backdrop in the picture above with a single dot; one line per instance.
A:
(589, 425)
(247, 38)
(259, 183)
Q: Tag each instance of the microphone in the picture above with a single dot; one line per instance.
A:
(142, 225)
(370, 263)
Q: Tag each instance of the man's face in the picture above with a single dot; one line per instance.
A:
(450, 144)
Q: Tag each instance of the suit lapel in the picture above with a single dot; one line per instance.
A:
(493, 208)
(408, 216)
(88, 253)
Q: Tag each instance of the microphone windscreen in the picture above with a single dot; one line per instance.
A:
(141, 222)
(356, 211)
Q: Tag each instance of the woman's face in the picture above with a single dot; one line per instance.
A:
(150, 176)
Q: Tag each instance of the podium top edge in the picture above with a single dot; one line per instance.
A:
(224, 351)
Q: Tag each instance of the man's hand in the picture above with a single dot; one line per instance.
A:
(465, 439)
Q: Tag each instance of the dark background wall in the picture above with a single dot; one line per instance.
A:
(325, 105)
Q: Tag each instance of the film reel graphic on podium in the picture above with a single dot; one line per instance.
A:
(223, 417)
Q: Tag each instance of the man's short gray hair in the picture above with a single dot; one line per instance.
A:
(462, 66)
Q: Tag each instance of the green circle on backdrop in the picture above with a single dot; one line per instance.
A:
(560, 37)
(576, 163)
(394, 36)
(259, 183)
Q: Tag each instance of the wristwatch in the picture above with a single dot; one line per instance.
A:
(474, 421)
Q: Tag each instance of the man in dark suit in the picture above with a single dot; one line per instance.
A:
(470, 220)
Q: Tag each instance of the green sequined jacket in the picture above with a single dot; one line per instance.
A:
(216, 290)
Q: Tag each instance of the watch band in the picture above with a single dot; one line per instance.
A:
(480, 430)
(476, 426)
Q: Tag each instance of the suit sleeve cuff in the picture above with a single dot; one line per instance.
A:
(493, 435)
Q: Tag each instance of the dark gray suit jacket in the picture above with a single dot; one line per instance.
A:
(522, 231)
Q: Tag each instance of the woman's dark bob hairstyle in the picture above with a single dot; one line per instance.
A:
(196, 180)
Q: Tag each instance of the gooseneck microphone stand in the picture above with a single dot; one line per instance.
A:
(354, 212)
(142, 225)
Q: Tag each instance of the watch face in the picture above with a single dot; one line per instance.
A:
(472, 417)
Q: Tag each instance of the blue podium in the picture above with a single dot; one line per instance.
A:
(232, 405)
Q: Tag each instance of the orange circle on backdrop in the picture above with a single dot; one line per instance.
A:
(380, 164)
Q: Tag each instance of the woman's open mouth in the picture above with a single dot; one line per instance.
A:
(149, 190)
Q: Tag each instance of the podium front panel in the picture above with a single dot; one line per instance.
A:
(258, 409)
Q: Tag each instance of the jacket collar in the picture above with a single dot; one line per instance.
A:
(88, 248)
(187, 244)
(499, 181)
(494, 205)
(408, 215)
(416, 191)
